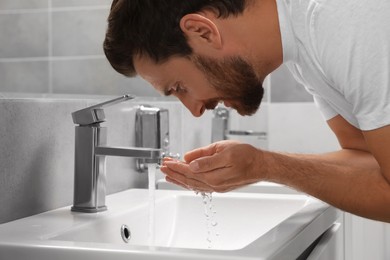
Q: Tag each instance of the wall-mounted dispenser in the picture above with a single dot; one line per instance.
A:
(152, 130)
(220, 124)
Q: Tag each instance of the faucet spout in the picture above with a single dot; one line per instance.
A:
(136, 152)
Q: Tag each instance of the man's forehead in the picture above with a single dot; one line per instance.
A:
(144, 66)
(150, 71)
(164, 74)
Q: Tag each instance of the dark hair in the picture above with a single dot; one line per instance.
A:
(151, 27)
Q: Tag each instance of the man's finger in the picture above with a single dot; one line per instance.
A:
(200, 152)
(208, 163)
(185, 182)
(179, 167)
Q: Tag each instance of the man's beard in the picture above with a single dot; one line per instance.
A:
(234, 80)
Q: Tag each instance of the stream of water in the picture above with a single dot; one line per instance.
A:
(152, 188)
(209, 210)
(211, 223)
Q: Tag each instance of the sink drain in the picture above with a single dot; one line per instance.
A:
(125, 233)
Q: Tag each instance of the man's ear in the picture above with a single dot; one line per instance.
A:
(200, 31)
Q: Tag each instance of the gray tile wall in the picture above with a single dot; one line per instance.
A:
(55, 46)
(25, 35)
(23, 4)
(284, 88)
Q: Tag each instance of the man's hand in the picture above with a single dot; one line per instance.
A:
(221, 167)
(355, 179)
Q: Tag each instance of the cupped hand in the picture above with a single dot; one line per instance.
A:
(221, 167)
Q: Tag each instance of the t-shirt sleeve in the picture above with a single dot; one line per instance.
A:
(326, 110)
(354, 50)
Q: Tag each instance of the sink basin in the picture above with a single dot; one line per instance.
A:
(259, 187)
(181, 222)
(249, 226)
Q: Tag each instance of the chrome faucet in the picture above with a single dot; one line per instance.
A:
(219, 125)
(90, 156)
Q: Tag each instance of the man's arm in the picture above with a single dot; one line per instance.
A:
(353, 179)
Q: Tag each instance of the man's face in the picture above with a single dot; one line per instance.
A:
(201, 83)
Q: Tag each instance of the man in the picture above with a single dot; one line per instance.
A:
(210, 51)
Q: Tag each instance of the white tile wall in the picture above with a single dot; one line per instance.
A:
(196, 132)
(257, 122)
(299, 127)
(56, 46)
(366, 239)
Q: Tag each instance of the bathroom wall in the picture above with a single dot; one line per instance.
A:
(55, 46)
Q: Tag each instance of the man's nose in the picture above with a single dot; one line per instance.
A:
(195, 107)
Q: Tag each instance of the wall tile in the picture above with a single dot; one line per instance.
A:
(23, 35)
(36, 165)
(284, 87)
(299, 128)
(95, 76)
(196, 131)
(257, 122)
(24, 76)
(78, 32)
(67, 3)
(22, 4)
(267, 89)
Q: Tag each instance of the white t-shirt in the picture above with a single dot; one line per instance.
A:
(340, 52)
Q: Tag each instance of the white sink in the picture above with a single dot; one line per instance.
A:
(250, 226)
(259, 187)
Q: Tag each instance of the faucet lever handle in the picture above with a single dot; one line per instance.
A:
(95, 114)
(176, 156)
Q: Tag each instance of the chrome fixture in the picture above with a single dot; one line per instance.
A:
(151, 130)
(125, 233)
(220, 122)
(90, 156)
(220, 130)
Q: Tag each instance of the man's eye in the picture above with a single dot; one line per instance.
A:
(178, 89)
(175, 89)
